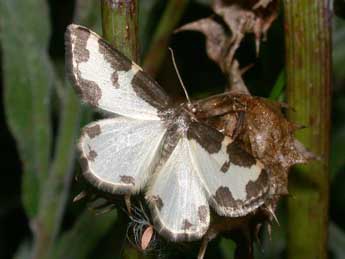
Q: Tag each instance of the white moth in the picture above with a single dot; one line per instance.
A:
(183, 166)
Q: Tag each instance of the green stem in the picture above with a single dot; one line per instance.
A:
(308, 72)
(158, 47)
(120, 26)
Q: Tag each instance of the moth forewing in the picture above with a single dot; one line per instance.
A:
(108, 80)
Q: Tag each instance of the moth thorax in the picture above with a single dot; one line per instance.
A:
(182, 123)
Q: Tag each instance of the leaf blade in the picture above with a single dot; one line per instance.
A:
(27, 81)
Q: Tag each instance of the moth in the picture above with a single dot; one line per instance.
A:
(151, 145)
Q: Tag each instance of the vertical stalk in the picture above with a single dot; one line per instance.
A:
(120, 26)
(159, 45)
(308, 59)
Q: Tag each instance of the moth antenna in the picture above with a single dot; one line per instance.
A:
(179, 76)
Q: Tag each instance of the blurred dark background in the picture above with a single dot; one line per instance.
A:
(202, 77)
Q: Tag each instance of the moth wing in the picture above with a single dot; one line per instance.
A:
(178, 202)
(236, 183)
(119, 154)
(105, 78)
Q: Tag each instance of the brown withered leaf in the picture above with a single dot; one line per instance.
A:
(247, 16)
(236, 83)
(254, 4)
(240, 21)
(262, 3)
(220, 48)
(217, 38)
(225, 31)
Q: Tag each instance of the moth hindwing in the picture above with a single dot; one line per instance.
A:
(183, 165)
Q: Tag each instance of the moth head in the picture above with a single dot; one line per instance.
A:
(191, 107)
(188, 110)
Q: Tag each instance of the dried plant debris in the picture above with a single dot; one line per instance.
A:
(225, 30)
(247, 16)
(236, 83)
(244, 231)
(218, 38)
(262, 3)
(219, 47)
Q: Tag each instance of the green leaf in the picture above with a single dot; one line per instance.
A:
(336, 241)
(27, 81)
(227, 247)
(23, 251)
(56, 189)
(337, 135)
(204, 2)
(339, 8)
(171, 16)
(337, 151)
(84, 236)
(278, 88)
(338, 48)
(146, 15)
(88, 14)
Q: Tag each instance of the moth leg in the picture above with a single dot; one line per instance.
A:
(257, 230)
(210, 235)
(203, 248)
(128, 204)
(244, 244)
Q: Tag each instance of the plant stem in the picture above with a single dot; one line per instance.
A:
(120, 26)
(308, 59)
(159, 45)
